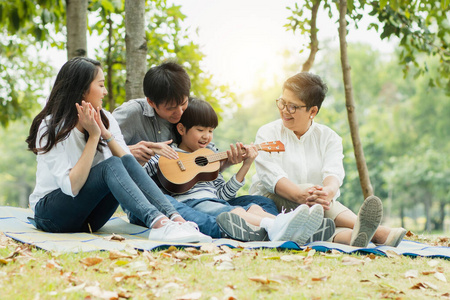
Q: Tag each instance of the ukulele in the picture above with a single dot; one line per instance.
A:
(179, 175)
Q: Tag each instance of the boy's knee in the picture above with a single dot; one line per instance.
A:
(238, 210)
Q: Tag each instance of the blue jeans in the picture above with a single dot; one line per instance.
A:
(213, 207)
(207, 223)
(112, 181)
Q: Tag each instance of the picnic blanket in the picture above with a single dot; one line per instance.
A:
(14, 224)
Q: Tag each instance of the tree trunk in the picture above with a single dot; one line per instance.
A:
(136, 48)
(442, 205)
(364, 178)
(427, 205)
(76, 24)
(402, 215)
(109, 67)
(314, 45)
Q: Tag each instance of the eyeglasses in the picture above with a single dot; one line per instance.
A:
(291, 108)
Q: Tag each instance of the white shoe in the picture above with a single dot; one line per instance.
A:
(192, 228)
(311, 225)
(173, 232)
(285, 225)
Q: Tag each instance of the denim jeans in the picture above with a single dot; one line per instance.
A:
(213, 207)
(111, 182)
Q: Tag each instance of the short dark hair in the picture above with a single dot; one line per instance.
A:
(308, 87)
(198, 113)
(168, 82)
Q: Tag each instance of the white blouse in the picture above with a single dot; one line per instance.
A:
(54, 166)
(310, 159)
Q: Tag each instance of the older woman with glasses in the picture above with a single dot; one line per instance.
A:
(311, 169)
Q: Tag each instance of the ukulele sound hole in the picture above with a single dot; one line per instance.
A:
(201, 161)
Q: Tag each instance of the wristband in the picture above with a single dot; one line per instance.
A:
(110, 139)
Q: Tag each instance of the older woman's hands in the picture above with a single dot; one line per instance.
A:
(319, 195)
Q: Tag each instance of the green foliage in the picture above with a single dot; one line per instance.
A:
(17, 166)
(422, 27)
(21, 78)
(166, 39)
(33, 19)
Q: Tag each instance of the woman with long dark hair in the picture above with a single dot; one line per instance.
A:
(84, 168)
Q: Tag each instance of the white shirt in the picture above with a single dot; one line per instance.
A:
(54, 166)
(316, 155)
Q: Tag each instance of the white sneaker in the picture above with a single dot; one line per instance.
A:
(192, 228)
(173, 232)
(285, 225)
(311, 225)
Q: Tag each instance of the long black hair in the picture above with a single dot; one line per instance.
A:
(71, 85)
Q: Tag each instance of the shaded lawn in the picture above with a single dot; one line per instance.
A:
(219, 273)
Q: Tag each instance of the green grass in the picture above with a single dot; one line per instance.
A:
(213, 273)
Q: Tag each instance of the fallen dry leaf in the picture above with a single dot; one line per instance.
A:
(98, 292)
(392, 254)
(52, 264)
(428, 272)
(170, 249)
(410, 234)
(229, 293)
(210, 248)
(193, 250)
(181, 255)
(260, 279)
(91, 261)
(121, 277)
(114, 254)
(440, 276)
(323, 278)
(411, 274)
(351, 261)
(423, 286)
(138, 266)
(433, 263)
(225, 265)
(221, 258)
(115, 237)
(191, 296)
(149, 256)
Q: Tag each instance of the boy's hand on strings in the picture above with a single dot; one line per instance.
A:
(86, 118)
(250, 154)
(235, 154)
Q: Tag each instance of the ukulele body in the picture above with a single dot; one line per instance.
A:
(187, 170)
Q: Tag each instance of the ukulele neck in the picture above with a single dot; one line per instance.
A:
(219, 156)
